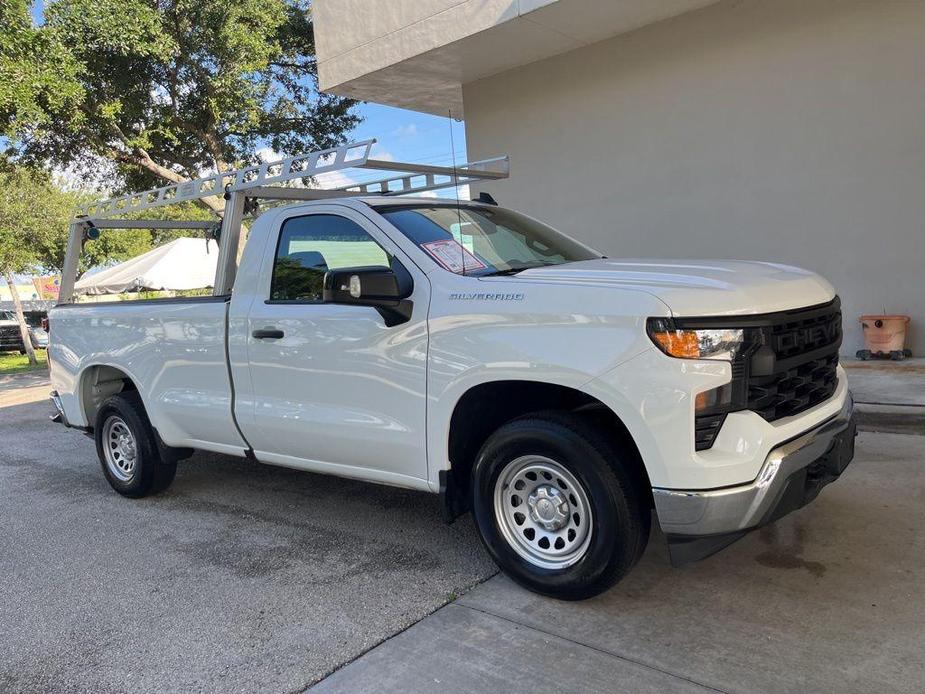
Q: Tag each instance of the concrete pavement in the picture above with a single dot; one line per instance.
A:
(31, 386)
(250, 578)
(240, 578)
(828, 599)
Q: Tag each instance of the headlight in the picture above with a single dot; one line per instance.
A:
(714, 343)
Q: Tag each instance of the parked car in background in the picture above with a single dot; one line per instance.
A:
(37, 333)
(10, 337)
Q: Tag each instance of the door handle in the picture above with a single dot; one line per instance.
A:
(267, 334)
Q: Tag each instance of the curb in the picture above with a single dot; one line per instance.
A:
(890, 419)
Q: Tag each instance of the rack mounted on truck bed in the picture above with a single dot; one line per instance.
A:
(241, 187)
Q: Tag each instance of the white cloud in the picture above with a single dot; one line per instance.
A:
(409, 130)
(334, 179)
(447, 194)
(384, 155)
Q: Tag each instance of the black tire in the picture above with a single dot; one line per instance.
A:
(863, 354)
(621, 518)
(897, 355)
(151, 471)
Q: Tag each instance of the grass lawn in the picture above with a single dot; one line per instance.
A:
(14, 362)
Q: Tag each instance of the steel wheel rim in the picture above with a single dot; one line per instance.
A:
(119, 448)
(543, 512)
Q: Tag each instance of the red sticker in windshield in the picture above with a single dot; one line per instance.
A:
(453, 256)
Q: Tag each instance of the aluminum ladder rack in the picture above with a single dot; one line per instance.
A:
(291, 178)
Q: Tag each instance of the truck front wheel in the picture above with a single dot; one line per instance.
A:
(128, 449)
(556, 507)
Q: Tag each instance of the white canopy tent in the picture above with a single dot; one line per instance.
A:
(184, 263)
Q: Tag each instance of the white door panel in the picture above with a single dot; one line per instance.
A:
(339, 387)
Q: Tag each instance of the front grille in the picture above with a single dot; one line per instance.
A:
(799, 371)
(10, 337)
(788, 366)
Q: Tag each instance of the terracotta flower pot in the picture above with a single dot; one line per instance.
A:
(884, 336)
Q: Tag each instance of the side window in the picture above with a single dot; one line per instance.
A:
(310, 246)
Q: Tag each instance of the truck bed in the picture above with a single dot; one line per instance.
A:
(172, 350)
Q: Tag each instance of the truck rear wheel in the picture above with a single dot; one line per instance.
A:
(557, 508)
(128, 449)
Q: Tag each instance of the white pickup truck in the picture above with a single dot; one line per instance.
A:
(471, 351)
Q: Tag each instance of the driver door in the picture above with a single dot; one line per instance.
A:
(332, 387)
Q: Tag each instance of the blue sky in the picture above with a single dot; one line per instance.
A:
(409, 136)
(402, 135)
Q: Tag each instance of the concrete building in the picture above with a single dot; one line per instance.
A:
(789, 131)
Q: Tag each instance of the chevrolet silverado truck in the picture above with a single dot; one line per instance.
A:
(473, 352)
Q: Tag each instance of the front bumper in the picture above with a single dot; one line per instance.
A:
(698, 523)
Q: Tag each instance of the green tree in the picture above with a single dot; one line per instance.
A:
(34, 223)
(24, 195)
(38, 76)
(168, 88)
(49, 241)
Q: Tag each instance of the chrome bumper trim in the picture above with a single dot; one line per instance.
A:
(59, 416)
(698, 513)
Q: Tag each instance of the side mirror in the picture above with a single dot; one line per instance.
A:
(385, 289)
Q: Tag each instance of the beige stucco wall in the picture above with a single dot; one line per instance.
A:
(789, 131)
(417, 53)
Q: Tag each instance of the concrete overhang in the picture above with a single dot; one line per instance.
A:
(417, 54)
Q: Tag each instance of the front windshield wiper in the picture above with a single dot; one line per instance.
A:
(509, 271)
(514, 270)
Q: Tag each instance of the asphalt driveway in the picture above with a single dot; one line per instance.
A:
(244, 577)
(241, 577)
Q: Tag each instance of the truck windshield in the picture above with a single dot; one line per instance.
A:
(482, 241)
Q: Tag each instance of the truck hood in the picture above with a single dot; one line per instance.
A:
(699, 287)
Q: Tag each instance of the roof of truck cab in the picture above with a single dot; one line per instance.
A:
(380, 201)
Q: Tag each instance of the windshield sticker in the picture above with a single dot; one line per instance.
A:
(453, 256)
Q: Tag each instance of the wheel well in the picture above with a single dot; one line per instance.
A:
(97, 384)
(484, 408)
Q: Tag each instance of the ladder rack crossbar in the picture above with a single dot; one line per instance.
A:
(424, 178)
(414, 178)
(301, 166)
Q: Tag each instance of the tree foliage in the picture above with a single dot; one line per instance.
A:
(38, 77)
(23, 192)
(168, 88)
(34, 225)
(50, 240)
(20, 220)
